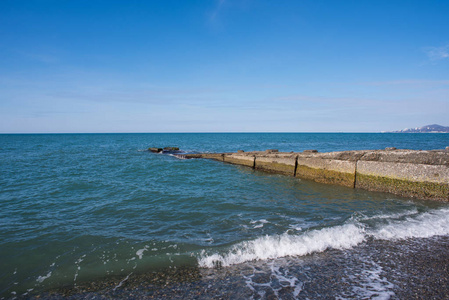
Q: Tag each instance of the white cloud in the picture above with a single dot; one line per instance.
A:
(438, 53)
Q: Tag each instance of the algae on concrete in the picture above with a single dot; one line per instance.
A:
(244, 159)
(419, 174)
(405, 188)
(283, 164)
(326, 176)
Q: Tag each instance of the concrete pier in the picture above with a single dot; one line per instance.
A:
(408, 173)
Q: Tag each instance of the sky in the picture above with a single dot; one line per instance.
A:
(223, 65)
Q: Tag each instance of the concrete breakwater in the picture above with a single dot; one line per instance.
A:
(408, 173)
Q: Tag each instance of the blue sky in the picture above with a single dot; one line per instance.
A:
(223, 65)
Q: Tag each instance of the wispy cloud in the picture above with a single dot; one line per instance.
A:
(321, 102)
(438, 53)
(407, 82)
(218, 7)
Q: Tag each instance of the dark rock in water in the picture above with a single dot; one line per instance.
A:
(390, 148)
(240, 151)
(166, 150)
(155, 150)
(171, 150)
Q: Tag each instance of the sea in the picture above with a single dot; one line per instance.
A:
(89, 216)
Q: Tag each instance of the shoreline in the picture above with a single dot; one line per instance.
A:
(391, 269)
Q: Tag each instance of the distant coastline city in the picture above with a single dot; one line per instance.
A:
(434, 128)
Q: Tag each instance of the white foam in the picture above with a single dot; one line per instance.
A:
(78, 267)
(263, 221)
(411, 225)
(121, 282)
(40, 279)
(285, 279)
(428, 224)
(270, 247)
(139, 252)
(300, 224)
(259, 223)
(295, 227)
(372, 284)
(398, 215)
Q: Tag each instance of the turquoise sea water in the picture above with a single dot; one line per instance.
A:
(82, 207)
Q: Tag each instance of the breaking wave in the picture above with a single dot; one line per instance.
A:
(270, 247)
(425, 225)
(354, 232)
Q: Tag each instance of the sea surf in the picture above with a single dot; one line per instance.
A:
(85, 215)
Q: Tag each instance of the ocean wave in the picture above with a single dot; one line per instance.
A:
(428, 224)
(354, 232)
(270, 247)
(398, 215)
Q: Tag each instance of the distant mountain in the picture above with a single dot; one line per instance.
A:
(425, 129)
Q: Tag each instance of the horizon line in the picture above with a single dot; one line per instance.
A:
(203, 132)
